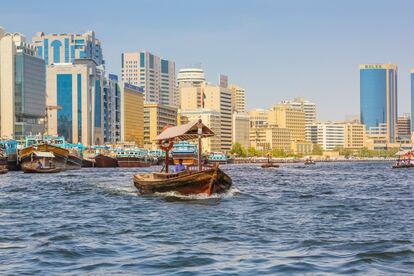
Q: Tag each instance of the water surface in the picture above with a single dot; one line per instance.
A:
(333, 218)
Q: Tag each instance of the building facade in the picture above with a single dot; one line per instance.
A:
(65, 48)
(132, 114)
(112, 109)
(278, 138)
(258, 117)
(156, 117)
(309, 108)
(285, 115)
(211, 119)
(378, 97)
(22, 87)
(238, 98)
(354, 136)
(154, 74)
(329, 134)
(75, 98)
(241, 129)
(404, 127)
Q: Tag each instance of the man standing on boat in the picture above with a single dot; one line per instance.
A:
(180, 166)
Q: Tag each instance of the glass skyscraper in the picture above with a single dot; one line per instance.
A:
(412, 99)
(378, 97)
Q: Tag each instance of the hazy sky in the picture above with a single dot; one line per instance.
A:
(274, 49)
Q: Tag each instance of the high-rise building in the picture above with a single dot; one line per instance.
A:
(278, 138)
(212, 97)
(238, 98)
(112, 109)
(154, 74)
(404, 127)
(285, 115)
(65, 48)
(132, 114)
(241, 129)
(156, 117)
(76, 92)
(193, 76)
(378, 97)
(412, 98)
(22, 87)
(211, 119)
(310, 113)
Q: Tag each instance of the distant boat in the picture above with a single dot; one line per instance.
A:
(269, 165)
(9, 149)
(217, 157)
(185, 151)
(105, 161)
(130, 158)
(48, 155)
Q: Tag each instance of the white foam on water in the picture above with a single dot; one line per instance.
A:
(230, 193)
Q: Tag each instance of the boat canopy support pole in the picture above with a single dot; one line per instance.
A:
(166, 161)
(200, 131)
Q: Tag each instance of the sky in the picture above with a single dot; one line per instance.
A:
(276, 50)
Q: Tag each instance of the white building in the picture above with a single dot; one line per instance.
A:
(154, 74)
(329, 134)
(22, 87)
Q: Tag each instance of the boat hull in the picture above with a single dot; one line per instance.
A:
(59, 161)
(74, 162)
(3, 170)
(27, 169)
(206, 182)
(403, 166)
(103, 161)
(269, 165)
(132, 162)
(87, 163)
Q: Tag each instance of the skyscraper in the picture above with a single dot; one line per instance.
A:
(238, 95)
(112, 109)
(378, 98)
(22, 87)
(65, 48)
(412, 99)
(154, 74)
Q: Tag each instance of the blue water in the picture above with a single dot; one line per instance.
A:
(350, 218)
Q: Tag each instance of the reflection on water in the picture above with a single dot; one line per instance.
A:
(328, 218)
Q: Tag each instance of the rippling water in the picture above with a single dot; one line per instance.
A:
(354, 218)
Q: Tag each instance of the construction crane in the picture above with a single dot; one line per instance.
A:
(48, 108)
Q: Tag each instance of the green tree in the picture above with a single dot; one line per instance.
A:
(238, 150)
(278, 153)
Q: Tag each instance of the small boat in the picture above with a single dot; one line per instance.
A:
(41, 162)
(403, 165)
(130, 158)
(203, 181)
(105, 161)
(57, 156)
(269, 165)
(309, 161)
(185, 183)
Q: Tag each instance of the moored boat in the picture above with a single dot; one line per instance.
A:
(74, 162)
(9, 149)
(269, 165)
(186, 182)
(40, 162)
(217, 157)
(87, 163)
(28, 157)
(3, 170)
(105, 161)
(185, 151)
(130, 158)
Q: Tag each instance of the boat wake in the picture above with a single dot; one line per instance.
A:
(232, 192)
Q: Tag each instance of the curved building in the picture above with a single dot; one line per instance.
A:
(191, 75)
(378, 97)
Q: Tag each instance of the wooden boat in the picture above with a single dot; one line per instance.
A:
(105, 161)
(86, 163)
(269, 165)
(132, 162)
(186, 183)
(403, 166)
(41, 162)
(8, 147)
(30, 156)
(203, 181)
(74, 162)
(309, 162)
(3, 169)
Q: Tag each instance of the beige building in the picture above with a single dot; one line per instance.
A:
(132, 114)
(211, 97)
(310, 113)
(75, 95)
(302, 147)
(278, 138)
(238, 98)
(156, 117)
(258, 117)
(292, 118)
(22, 87)
(156, 75)
(241, 129)
(211, 119)
(258, 139)
(354, 136)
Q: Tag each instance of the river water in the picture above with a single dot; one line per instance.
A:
(332, 218)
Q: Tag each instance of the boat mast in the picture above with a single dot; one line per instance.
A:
(199, 132)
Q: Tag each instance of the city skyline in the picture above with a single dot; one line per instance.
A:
(259, 33)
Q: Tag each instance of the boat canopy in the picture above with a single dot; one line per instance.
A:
(44, 154)
(188, 131)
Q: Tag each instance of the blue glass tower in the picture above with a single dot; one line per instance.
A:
(412, 99)
(378, 97)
